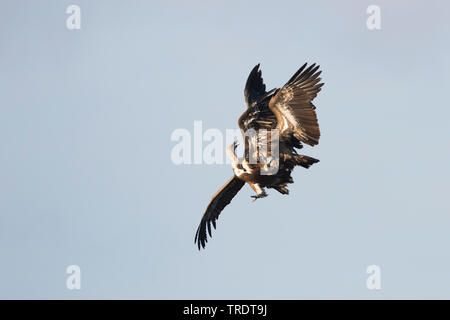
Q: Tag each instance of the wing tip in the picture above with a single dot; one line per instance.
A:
(199, 239)
(255, 69)
(306, 72)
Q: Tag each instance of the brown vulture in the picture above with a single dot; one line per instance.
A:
(279, 120)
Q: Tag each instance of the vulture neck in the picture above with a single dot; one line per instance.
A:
(237, 169)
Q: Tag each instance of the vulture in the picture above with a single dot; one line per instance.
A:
(274, 125)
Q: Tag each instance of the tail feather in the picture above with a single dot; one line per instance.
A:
(284, 174)
(282, 189)
(304, 161)
(292, 160)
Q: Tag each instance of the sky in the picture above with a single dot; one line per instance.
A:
(86, 176)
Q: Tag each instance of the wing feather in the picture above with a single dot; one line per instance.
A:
(218, 202)
(254, 87)
(293, 108)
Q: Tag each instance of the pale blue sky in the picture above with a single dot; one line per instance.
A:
(85, 171)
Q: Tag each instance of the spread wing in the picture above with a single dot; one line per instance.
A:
(255, 87)
(257, 116)
(219, 201)
(292, 105)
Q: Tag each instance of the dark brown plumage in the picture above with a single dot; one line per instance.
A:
(286, 113)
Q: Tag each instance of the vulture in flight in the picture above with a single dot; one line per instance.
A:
(281, 119)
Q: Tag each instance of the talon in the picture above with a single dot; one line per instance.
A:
(259, 195)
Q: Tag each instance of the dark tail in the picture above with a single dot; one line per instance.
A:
(304, 161)
(284, 175)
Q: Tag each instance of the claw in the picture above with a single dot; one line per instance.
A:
(259, 195)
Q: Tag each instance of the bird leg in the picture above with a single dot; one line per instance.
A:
(260, 195)
(260, 192)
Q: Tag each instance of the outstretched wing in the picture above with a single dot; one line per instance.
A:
(219, 201)
(255, 87)
(257, 116)
(293, 108)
